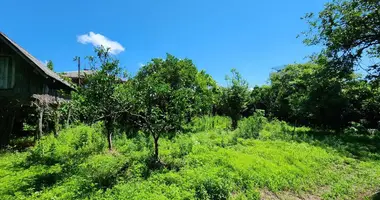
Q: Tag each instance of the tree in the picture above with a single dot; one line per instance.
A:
(98, 100)
(50, 65)
(308, 95)
(167, 92)
(235, 97)
(349, 31)
(261, 98)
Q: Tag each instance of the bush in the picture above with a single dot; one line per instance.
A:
(276, 130)
(206, 123)
(213, 188)
(102, 170)
(250, 127)
(72, 145)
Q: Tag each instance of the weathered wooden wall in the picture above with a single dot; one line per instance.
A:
(27, 82)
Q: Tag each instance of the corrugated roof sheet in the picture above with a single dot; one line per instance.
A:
(74, 74)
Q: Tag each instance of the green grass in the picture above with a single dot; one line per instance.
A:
(211, 164)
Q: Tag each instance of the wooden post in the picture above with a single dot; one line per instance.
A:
(68, 117)
(4, 133)
(12, 123)
(79, 71)
(56, 120)
(40, 120)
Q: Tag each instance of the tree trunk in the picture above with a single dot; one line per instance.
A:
(109, 127)
(156, 147)
(109, 139)
(234, 124)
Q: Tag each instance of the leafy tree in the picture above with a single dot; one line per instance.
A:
(261, 98)
(98, 100)
(167, 92)
(235, 97)
(306, 94)
(50, 65)
(206, 96)
(364, 103)
(349, 31)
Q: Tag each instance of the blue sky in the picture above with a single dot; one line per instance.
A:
(251, 36)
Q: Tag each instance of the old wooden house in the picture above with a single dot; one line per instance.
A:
(21, 76)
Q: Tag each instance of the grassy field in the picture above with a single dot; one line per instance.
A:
(278, 162)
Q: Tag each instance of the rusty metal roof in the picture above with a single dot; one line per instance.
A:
(74, 74)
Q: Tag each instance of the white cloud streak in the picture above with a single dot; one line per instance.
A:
(97, 40)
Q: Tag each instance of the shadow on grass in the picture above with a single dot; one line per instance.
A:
(19, 144)
(376, 196)
(363, 147)
(46, 180)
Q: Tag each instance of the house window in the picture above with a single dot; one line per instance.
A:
(7, 73)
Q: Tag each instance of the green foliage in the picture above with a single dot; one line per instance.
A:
(250, 127)
(102, 169)
(97, 99)
(213, 164)
(28, 127)
(200, 157)
(348, 30)
(307, 94)
(70, 146)
(168, 93)
(278, 130)
(207, 123)
(234, 98)
(50, 65)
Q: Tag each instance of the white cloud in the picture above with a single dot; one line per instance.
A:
(98, 40)
(141, 64)
(44, 62)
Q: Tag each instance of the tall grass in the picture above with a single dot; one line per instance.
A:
(260, 158)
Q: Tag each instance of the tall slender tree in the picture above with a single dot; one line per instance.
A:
(98, 99)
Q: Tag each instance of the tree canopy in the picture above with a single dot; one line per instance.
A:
(168, 93)
(349, 31)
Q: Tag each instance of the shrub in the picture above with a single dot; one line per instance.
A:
(102, 170)
(247, 195)
(276, 130)
(213, 188)
(73, 144)
(206, 123)
(250, 127)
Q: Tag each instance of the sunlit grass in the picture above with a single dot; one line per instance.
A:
(212, 164)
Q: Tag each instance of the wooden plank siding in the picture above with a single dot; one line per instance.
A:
(26, 80)
(29, 76)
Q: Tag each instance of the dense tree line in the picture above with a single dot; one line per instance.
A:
(307, 94)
